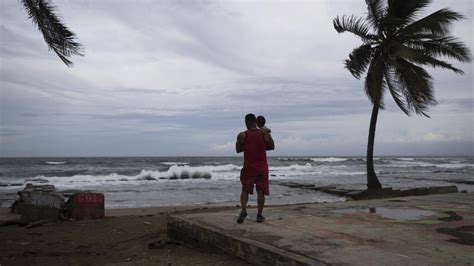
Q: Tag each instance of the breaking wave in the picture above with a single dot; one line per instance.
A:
(174, 163)
(405, 159)
(291, 159)
(55, 163)
(175, 172)
(329, 159)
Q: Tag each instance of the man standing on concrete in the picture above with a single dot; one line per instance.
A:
(254, 143)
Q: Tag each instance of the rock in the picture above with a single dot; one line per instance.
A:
(49, 188)
(174, 242)
(10, 222)
(324, 187)
(37, 205)
(430, 190)
(157, 244)
(30, 252)
(370, 194)
(340, 192)
(52, 200)
(147, 223)
(36, 224)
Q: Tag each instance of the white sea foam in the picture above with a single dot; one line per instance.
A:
(174, 163)
(306, 166)
(55, 163)
(409, 163)
(405, 159)
(375, 159)
(329, 159)
(455, 165)
(227, 171)
(294, 159)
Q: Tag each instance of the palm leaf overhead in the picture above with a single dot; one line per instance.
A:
(391, 29)
(396, 44)
(56, 35)
(437, 23)
(354, 25)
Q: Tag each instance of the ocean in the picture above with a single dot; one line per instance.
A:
(129, 182)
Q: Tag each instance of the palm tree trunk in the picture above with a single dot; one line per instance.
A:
(372, 180)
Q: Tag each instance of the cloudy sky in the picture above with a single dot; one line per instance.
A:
(177, 77)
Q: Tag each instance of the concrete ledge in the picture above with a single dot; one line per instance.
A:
(357, 194)
(205, 237)
(418, 230)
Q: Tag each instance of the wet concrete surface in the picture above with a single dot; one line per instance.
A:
(391, 213)
(424, 230)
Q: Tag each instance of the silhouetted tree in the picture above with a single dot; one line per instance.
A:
(56, 35)
(395, 46)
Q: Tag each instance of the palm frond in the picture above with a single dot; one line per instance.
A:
(396, 89)
(56, 35)
(418, 86)
(354, 25)
(358, 60)
(437, 23)
(444, 46)
(374, 82)
(421, 57)
(395, 48)
(405, 11)
(375, 13)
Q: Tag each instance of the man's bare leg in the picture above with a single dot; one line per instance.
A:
(244, 198)
(260, 204)
(260, 201)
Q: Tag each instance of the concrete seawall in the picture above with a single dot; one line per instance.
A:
(434, 229)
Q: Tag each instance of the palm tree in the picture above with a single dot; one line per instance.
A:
(56, 35)
(395, 46)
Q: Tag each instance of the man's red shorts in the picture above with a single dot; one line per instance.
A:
(259, 177)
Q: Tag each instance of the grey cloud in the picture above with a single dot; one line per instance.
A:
(30, 115)
(20, 46)
(176, 77)
(128, 116)
(147, 91)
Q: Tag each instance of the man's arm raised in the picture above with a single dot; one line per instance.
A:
(239, 144)
(269, 140)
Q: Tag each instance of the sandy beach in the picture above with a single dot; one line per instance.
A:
(121, 238)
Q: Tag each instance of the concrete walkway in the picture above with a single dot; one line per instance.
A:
(425, 230)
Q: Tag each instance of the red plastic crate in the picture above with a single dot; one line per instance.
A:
(86, 206)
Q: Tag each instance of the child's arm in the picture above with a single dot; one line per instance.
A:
(269, 140)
